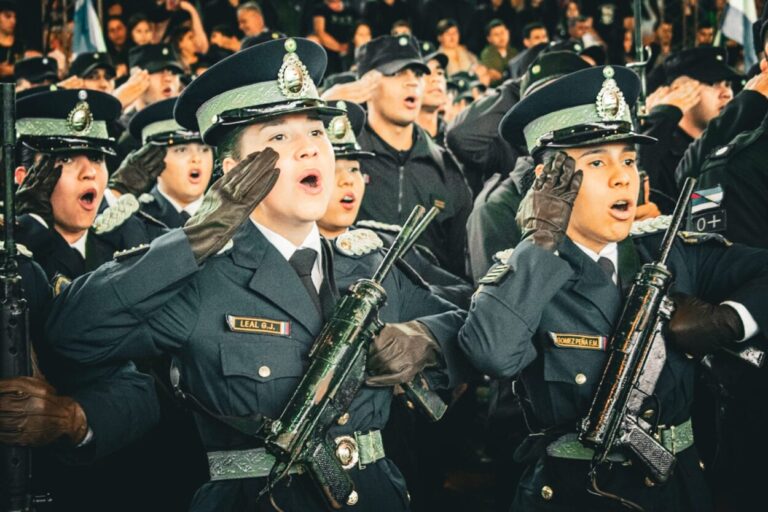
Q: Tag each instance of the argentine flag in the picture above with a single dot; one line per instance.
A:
(88, 36)
(737, 25)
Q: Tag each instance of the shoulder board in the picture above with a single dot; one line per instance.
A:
(378, 226)
(503, 256)
(495, 274)
(649, 226)
(358, 242)
(146, 198)
(694, 238)
(129, 253)
(22, 249)
(114, 216)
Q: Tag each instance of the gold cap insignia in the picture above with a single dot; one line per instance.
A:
(293, 78)
(610, 101)
(403, 41)
(80, 118)
(338, 128)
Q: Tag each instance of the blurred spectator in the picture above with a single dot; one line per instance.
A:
(459, 58)
(115, 9)
(485, 13)
(224, 36)
(382, 15)
(497, 53)
(11, 48)
(361, 34)
(183, 41)
(435, 97)
(705, 35)
(333, 23)
(173, 14)
(401, 28)
(571, 10)
(117, 39)
(432, 11)
(577, 27)
(535, 33)
(250, 19)
(140, 29)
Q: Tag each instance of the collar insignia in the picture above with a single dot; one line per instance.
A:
(610, 101)
(293, 78)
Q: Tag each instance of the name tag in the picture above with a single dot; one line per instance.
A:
(258, 325)
(582, 341)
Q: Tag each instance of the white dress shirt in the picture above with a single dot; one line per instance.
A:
(191, 208)
(286, 248)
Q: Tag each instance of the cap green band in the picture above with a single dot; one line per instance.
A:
(164, 126)
(48, 127)
(572, 116)
(247, 96)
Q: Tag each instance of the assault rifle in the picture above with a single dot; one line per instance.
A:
(15, 360)
(636, 359)
(299, 437)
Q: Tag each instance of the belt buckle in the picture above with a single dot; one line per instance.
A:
(347, 451)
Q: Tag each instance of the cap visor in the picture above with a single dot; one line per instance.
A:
(394, 66)
(154, 67)
(596, 138)
(90, 69)
(71, 145)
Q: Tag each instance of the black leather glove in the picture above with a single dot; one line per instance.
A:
(138, 172)
(32, 414)
(230, 201)
(546, 209)
(34, 194)
(399, 352)
(698, 327)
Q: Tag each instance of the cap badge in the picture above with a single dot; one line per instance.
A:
(610, 102)
(338, 128)
(403, 41)
(165, 51)
(293, 78)
(536, 69)
(80, 118)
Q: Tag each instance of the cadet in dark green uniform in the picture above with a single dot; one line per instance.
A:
(238, 294)
(188, 165)
(544, 314)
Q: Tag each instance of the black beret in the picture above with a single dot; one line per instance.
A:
(343, 130)
(85, 63)
(67, 120)
(154, 58)
(155, 124)
(267, 80)
(586, 107)
(706, 64)
(548, 66)
(390, 54)
(36, 69)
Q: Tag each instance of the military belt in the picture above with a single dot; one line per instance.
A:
(357, 449)
(674, 438)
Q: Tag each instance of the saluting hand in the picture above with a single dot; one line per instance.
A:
(34, 194)
(139, 171)
(546, 209)
(230, 201)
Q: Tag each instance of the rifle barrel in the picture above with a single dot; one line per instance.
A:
(677, 219)
(400, 245)
(8, 136)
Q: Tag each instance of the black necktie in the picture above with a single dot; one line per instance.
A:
(302, 262)
(607, 266)
(184, 214)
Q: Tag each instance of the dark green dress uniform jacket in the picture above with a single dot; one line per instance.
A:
(119, 403)
(509, 331)
(162, 301)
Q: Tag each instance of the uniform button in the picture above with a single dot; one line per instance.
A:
(352, 498)
(265, 371)
(649, 414)
(547, 492)
(343, 419)
(701, 465)
(580, 379)
(649, 483)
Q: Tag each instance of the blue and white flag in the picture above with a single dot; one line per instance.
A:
(88, 36)
(737, 25)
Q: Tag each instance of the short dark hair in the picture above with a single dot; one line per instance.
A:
(445, 24)
(229, 145)
(492, 25)
(401, 23)
(113, 18)
(530, 27)
(136, 19)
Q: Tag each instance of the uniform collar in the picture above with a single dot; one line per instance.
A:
(191, 208)
(610, 251)
(286, 248)
(79, 246)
